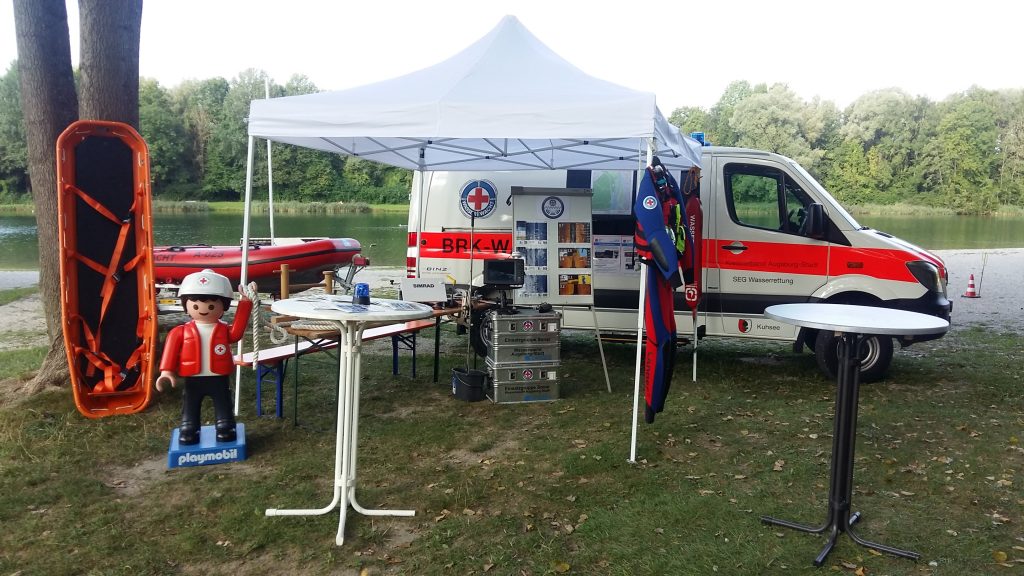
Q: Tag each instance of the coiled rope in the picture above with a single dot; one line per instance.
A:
(257, 322)
(278, 334)
(278, 330)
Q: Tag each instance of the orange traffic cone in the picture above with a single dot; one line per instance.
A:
(971, 292)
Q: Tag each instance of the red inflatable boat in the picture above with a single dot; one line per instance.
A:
(307, 259)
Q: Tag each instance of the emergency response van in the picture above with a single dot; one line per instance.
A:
(771, 235)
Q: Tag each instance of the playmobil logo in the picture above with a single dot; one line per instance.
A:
(199, 459)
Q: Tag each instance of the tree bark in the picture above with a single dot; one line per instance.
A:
(110, 60)
(49, 105)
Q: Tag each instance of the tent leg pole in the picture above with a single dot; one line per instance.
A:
(639, 323)
(639, 350)
(695, 346)
(245, 262)
(420, 217)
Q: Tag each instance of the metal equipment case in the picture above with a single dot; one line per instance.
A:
(523, 354)
(517, 383)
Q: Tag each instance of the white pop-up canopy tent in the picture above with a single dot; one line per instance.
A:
(507, 102)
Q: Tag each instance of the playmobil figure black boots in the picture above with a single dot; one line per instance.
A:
(188, 433)
(226, 430)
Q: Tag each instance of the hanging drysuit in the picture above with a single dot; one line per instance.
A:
(693, 274)
(661, 240)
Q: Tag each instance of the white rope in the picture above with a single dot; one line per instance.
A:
(257, 321)
(278, 335)
(314, 325)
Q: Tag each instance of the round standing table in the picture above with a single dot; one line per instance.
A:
(350, 319)
(851, 323)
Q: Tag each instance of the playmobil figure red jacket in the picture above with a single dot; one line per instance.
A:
(182, 355)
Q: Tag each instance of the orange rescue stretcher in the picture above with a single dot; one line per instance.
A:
(108, 293)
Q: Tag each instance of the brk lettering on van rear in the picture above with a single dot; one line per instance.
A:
(457, 244)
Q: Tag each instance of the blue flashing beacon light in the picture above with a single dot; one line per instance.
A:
(699, 137)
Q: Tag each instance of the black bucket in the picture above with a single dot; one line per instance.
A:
(468, 384)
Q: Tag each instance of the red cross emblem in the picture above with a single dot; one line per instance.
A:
(478, 198)
(203, 280)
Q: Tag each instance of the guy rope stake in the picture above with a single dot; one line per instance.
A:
(981, 277)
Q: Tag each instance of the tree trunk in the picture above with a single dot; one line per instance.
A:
(110, 60)
(49, 104)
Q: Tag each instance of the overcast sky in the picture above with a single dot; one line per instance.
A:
(686, 52)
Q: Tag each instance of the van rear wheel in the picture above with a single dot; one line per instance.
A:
(875, 354)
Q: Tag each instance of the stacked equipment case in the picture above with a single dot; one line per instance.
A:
(523, 354)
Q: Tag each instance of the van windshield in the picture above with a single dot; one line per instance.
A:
(837, 209)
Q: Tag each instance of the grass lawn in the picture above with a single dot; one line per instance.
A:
(543, 488)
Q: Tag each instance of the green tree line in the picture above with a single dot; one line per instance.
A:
(197, 140)
(965, 153)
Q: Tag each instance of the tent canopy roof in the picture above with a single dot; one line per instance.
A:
(507, 102)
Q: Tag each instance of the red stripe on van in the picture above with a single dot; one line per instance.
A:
(782, 258)
(767, 257)
(882, 263)
(487, 245)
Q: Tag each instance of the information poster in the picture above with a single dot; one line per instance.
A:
(615, 256)
(553, 231)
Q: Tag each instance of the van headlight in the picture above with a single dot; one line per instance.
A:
(927, 274)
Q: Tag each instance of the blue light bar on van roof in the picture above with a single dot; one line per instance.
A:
(699, 137)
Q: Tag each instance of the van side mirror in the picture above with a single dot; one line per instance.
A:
(814, 222)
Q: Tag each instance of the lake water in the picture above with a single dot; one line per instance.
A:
(383, 236)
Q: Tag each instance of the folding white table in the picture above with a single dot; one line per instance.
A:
(851, 323)
(350, 319)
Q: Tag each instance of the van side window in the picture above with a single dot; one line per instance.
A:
(764, 197)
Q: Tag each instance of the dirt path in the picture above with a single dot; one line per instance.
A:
(21, 324)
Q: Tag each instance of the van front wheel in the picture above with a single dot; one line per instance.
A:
(875, 354)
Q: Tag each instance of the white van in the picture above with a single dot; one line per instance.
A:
(771, 235)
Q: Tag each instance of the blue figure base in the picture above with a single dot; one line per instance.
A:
(208, 450)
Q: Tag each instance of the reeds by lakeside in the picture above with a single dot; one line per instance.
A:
(263, 207)
(902, 209)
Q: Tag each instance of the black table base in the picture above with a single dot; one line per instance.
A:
(839, 519)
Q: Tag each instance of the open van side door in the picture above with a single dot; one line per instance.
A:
(765, 248)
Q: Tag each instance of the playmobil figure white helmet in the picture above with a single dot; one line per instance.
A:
(206, 283)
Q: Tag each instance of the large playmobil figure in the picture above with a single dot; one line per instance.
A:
(200, 352)
(661, 242)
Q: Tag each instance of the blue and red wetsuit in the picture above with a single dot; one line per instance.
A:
(661, 240)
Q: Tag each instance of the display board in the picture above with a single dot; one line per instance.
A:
(554, 232)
